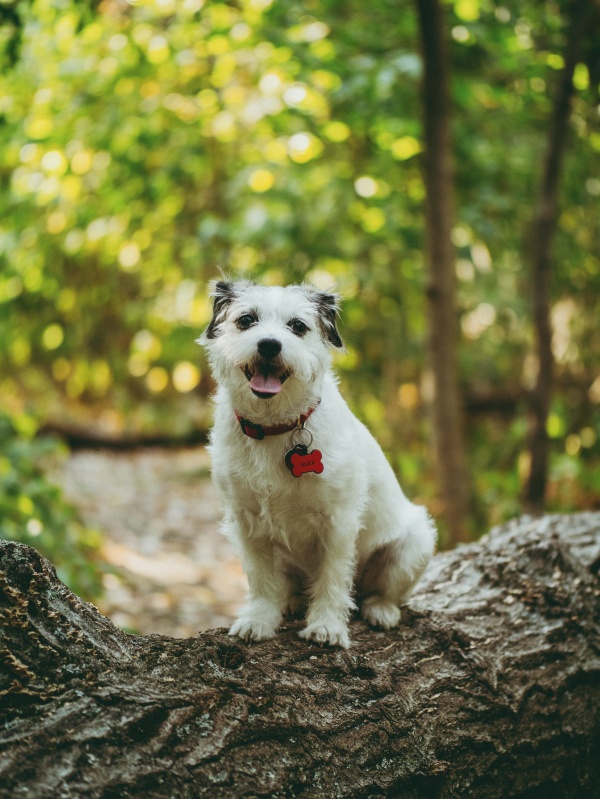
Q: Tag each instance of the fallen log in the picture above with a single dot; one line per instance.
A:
(489, 688)
(79, 436)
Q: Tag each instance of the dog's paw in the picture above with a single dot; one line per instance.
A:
(327, 632)
(253, 629)
(380, 612)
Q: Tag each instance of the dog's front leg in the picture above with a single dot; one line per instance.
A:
(262, 614)
(330, 591)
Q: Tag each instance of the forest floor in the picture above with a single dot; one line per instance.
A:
(173, 572)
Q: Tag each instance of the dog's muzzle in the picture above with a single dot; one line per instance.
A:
(265, 375)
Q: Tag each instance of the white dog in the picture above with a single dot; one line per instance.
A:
(310, 500)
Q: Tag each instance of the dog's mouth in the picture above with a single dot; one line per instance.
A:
(266, 380)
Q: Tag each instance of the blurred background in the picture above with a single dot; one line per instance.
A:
(146, 145)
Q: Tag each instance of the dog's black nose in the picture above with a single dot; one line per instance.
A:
(269, 347)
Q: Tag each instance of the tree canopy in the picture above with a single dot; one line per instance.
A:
(144, 145)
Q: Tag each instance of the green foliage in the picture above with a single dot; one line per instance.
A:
(145, 144)
(33, 511)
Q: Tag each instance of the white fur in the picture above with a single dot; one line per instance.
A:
(317, 533)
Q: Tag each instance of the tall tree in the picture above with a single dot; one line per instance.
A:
(447, 406)
(541, 234)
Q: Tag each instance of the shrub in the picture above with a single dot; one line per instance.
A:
(34, 511)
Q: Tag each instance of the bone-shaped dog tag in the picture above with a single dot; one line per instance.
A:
(300, 461)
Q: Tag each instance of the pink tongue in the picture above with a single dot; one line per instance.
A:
(265, 383)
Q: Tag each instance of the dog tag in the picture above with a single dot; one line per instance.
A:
(300, 461)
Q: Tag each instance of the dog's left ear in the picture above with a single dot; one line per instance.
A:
(328, 306)
(222, 293)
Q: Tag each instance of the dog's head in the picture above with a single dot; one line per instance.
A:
(271, 343)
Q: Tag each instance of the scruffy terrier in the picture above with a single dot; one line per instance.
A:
(310, 499)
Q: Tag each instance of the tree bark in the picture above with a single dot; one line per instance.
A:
(542, 232)
(447, 408)
(489, 688)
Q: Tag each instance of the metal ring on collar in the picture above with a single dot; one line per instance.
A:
(297, 432)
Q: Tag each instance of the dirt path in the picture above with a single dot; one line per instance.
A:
(175, 573)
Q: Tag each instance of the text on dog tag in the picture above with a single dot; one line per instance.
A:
(300, 461)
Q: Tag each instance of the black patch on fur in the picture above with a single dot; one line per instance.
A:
(328, 307)
(223, 294)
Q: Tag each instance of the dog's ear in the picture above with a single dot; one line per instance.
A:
(222, 293)
(328, 306)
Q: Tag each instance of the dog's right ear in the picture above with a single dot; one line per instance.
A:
(222, 293)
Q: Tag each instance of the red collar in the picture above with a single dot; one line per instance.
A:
(258, 431)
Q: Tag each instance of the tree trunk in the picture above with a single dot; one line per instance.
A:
(447, 409)
(541, 234)
(489, 688)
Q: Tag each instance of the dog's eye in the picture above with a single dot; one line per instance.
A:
(298, 327)
(246, 320)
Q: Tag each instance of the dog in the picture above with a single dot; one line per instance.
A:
(310, 500)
